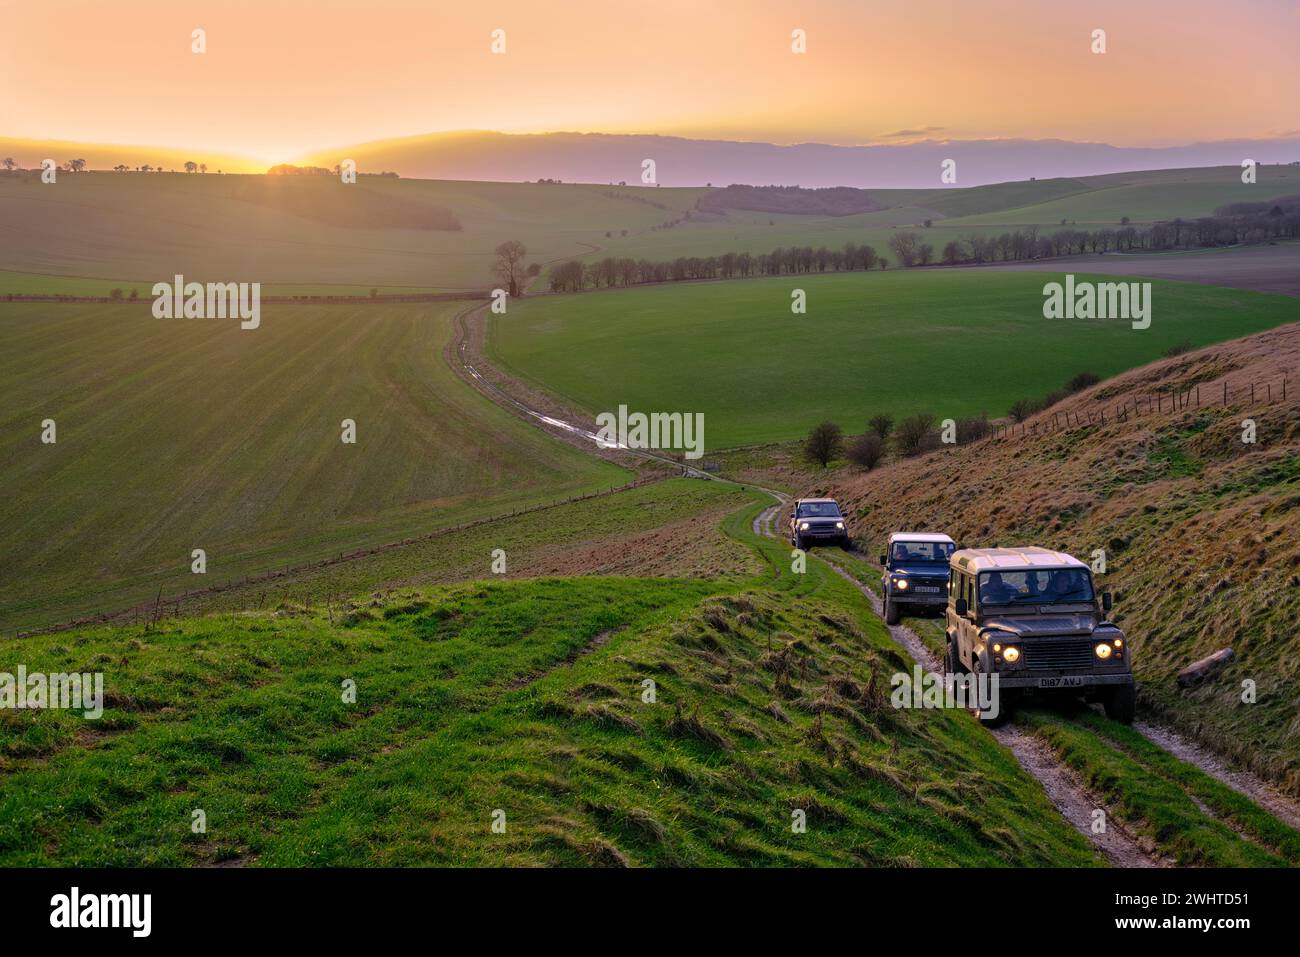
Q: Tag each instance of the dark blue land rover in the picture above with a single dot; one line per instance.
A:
(817, 521)
(915, 572)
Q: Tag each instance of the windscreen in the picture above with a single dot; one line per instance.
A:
(1037, 587)
(937, 552)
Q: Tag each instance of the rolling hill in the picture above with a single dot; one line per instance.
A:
(954, 342)
(313, 235)
(176, 435)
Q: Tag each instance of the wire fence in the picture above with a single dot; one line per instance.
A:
(1140, 406)
(153, 611)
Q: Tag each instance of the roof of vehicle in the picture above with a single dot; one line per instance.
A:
(998, 559)
(805, 501)
(920, 537)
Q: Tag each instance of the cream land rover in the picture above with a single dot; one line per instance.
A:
(1032, 617)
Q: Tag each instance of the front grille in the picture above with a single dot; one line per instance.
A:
(1059, 655)
(824, 530)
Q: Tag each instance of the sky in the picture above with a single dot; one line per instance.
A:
(282, 78)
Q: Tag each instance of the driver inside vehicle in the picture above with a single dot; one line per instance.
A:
(993, 590)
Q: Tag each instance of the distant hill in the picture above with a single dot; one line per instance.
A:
(832, 201)
(610, 158)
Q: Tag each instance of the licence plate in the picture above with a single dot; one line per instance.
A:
(1069, 681)
(928, 589)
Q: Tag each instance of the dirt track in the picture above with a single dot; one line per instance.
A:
(1063, 787)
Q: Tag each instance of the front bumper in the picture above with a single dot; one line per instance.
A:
(914, 595)
(1060, 681)
(824, 533)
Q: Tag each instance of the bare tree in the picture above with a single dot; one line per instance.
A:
(882, 425)
(509, 265)
(866, 451)
(824, 444)
(191, 166)
(8, 163)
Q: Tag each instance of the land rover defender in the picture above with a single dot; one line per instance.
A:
(817, 521)
(1032, 617)
(915, 572)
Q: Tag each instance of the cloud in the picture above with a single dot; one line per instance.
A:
(910, 134)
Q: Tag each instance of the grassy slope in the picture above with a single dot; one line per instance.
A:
(476, 698)
(954, 342)
(139, 229)
(667, 527)
(956, 212)
(175, 435)
(1199, 531)
(1179, 811)
(132, 230)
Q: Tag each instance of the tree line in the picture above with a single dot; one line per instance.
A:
(923, 431)
(1240, 223)
(575, 275)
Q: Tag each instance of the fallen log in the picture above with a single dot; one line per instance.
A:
(1200, 670)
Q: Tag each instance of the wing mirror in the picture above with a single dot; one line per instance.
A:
(1106, 601)
(961, 607)
(884, 560)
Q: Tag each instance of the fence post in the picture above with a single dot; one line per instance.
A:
(1198, 396)
(1225, 391)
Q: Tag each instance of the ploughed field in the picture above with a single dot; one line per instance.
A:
(951, 342)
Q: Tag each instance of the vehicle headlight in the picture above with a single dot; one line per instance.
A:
(839, 525)
(1104, 650)
(901, 583)
(803, 526)
(1011, 654)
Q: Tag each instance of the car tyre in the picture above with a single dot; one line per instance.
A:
(1121, 704)
(1004, 706)
(892, 612)
(952, 661)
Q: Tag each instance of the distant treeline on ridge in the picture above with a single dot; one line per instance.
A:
(1237, 224)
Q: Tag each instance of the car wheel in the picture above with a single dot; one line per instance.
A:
(801, 543)
(892, 612)
(1003, 714)
(1121, 704)
(952, 660)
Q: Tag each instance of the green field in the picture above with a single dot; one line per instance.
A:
(305, 231)
(525, 698)
(957, 212)
(951, 342)
(175, 435)
(91, 232)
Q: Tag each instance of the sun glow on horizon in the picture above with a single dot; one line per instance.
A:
(283, 80)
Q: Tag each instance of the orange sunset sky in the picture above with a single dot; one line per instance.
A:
(281, 78)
